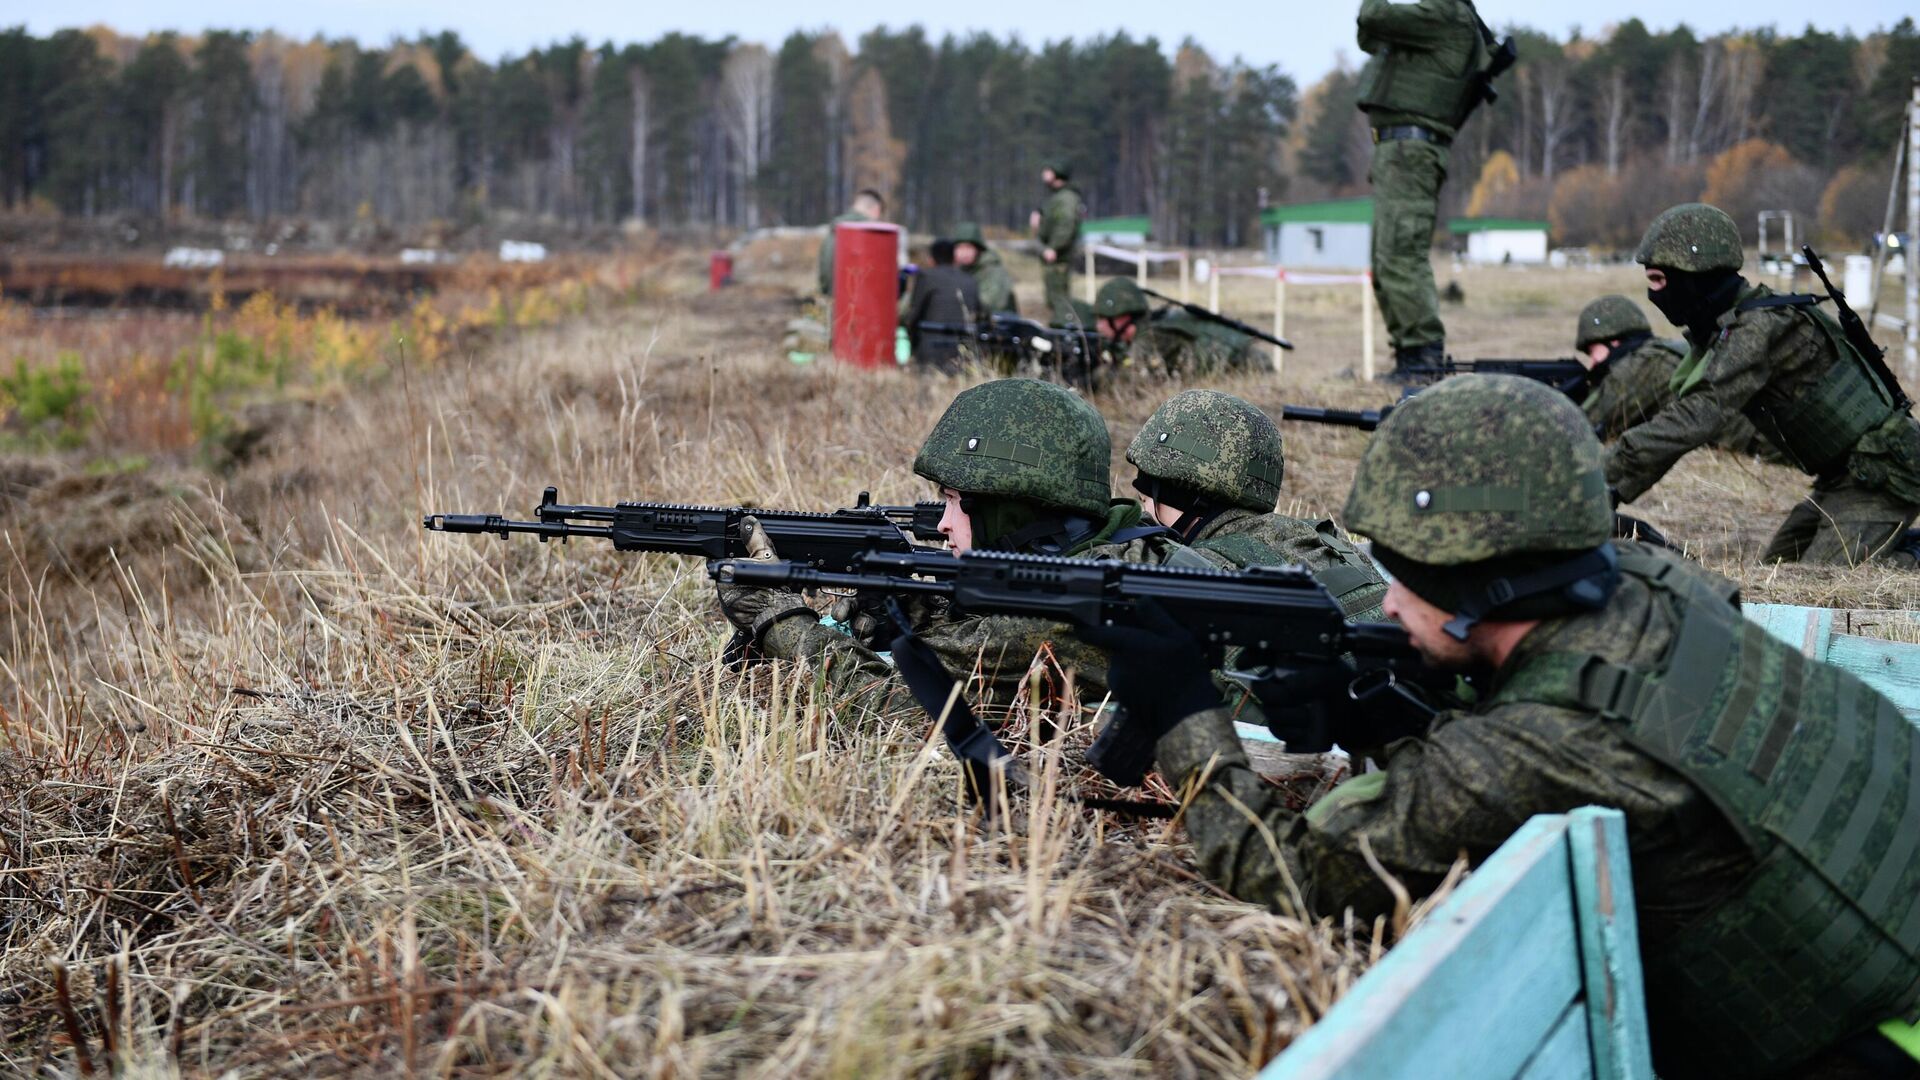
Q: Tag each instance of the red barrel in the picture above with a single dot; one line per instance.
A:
(719, 271)
(866, 290)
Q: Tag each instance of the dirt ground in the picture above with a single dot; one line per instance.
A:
(292, 786)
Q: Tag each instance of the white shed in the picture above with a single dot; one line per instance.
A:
(1336, 234)
(1502, 241)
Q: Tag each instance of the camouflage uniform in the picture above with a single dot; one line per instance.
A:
(1775, 364)
(988, 271)
(825, 262)
(1424, 55)
(1032, 453)
(1636, 377)
(1060, 233)
(1739, 764)
(1171, 340)
(1228, 458)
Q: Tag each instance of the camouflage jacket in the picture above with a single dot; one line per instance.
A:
(995, 283)
(1776, 350)
(825, 267)
(1060, 221)
(1177, 342)
(1638, 385)
(1464, 789)
(996, 651)
(1245, 538)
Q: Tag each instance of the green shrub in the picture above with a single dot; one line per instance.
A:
(49, 403)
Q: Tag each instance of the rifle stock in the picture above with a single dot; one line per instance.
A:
(1857, 333)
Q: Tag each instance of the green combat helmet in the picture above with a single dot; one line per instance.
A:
(1119, 297)
(968, 232)
(1062, 170)
(1022, 439)
(1693, 237)
(1610, 318)
(1215, 444)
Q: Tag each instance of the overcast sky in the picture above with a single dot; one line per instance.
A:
(1303, 38)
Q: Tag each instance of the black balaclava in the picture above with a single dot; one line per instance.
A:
(1196, 509)
(1696, 300)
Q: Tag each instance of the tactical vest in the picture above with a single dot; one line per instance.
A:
(1821, 777)
(1350, 578)
(1817, 428)
(1404, 80)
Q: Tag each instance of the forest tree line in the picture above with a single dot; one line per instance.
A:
(686, 131)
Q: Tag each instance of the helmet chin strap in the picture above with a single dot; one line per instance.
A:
(1584, 582)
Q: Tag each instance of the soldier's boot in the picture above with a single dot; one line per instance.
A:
(1411, 363)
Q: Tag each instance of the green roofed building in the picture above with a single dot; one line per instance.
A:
(1502, 241)
(1335, 234)
(1117, 231)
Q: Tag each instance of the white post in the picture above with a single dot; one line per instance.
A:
(1908, 252)
(1213, 288)
(1280, 302)
(1140, 274)
(1186, 274)
(1089, 273)
(1366, 326)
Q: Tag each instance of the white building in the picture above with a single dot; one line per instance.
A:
(1336, 234)
(1502, 241)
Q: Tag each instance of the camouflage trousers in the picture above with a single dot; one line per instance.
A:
(1844, 523)
(1058, 276)
(1406, 177)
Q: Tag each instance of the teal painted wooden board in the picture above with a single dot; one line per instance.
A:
(1474, 991)
(1616, 1000)
(1891, 667)
(1565, 1055)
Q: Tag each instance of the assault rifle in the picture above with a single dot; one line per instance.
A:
(1857, 333)
(832, 541)
(1321, 676)
(1570, 377)
(1012, 334)
(1504, 54)
(1209, 315)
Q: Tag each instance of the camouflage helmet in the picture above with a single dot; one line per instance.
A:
(1060, 168)
(1219, 445)
(1692, 237)
(1022, 439)
(1482, 466)
(968, 232)
(1119, 297)
(1609, 318)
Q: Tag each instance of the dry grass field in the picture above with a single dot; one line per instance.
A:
(288, 786)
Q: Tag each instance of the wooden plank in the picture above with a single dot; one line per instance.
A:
(1616, 1000)
(1473, 991)
(1891, 667)
(1806, 629)
(1566, 1055)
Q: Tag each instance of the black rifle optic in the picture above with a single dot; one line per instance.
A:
(1209, 315)
(832, 541)
(1319, 676)
(1857, 333)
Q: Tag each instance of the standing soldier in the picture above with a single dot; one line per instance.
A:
(867, 206)
(982, 263)
(1634, 373)
(1789, 367)
(1210, 466)
(1057, 225)
(1771, 801)
(1429, 68)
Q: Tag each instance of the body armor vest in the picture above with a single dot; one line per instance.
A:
(1816, 429)
(1350, 578)
(1418, 81)
(1821, 777)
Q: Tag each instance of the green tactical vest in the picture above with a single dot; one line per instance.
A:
(1821, 776)
(1350, 578)
(1815, 430)
(1435, 82)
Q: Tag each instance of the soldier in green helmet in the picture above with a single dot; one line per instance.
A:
(1635, 373)
(1209, 468)
(1775, 886)
(983, 264)
(1788, 367)
(1057, 226)
(1171, 340)
(1023, 466)
(1416, 90)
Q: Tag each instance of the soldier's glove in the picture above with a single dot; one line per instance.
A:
(868, 621)
(1157, 670)
(752, 610)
